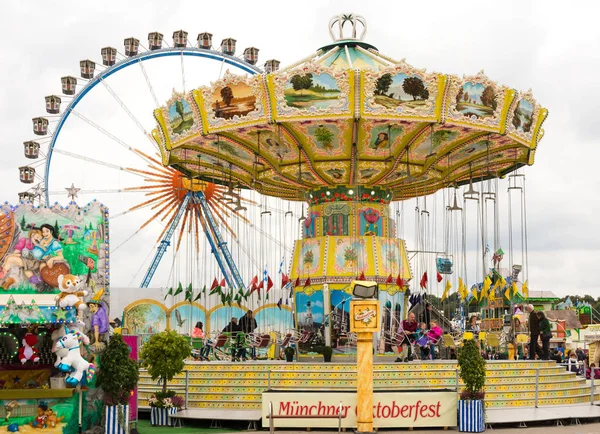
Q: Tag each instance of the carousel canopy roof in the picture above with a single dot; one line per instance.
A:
(349, 116)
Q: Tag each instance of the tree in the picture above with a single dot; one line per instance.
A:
(424, 95)
(118, 373)
(324, 136)
(466, 97)
(23, 224)
(414, 87)
(227, 95)
(296, 81)
(459, 95)
(56, 228)
(472, 370)
(307, 81)
(488, 97)
(383, 84)
(179, 109)
(164, 354)
(516, 120)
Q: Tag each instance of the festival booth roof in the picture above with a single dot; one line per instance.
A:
(542, 296)
(568, 316)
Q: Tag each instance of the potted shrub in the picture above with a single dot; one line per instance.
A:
(117, 376)
(327, 353)
(471, 417)
(289, 354)
(164, 356)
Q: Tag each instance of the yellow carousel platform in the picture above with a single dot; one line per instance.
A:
(509, 384)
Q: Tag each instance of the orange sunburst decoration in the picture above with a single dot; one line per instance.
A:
(167, 189)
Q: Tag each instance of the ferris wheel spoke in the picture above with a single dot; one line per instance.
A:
(111, 136)
(98, 162)
(148, 83)
(129, 113)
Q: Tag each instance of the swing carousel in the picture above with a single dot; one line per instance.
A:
(351, 132)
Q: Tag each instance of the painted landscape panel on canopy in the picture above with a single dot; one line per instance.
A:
(307, 177)
(38, 245)
(476, 101)
(399, 92)
(178, 120)
(311, 91)
(271, 318)
(369, 171)
(145, 318)
(181, 117)
(236, 99)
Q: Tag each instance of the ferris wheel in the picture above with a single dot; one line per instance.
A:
(100, 147)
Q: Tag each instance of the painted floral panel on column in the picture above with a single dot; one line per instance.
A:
(370, 222)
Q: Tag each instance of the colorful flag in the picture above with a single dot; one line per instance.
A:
(400, 281)
(285, 279)
(498, 256)
(179, 290)
(525, 290)
(474, 292)
(279, 303)
(269, 283)
(515, 290)
(446, 290)
(507, 293)
(461, 288)
(423, 282)
(362, 276)
(390, 279)
(297, 282)
(307, 282)
(439, 277)
(222, 284)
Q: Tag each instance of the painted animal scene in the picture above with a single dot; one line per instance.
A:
(180, 116)
(41, 248)
(476, 100)
(233, 100)
(307, 91)
(523, 116)
(394, 91)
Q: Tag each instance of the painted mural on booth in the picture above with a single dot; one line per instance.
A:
(46, 250)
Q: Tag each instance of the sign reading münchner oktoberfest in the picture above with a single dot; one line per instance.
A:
(390, 409)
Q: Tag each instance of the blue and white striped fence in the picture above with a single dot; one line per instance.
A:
(470, 416)
(162, 416)
(111, 422)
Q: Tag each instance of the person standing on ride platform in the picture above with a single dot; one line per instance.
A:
(534, 334)
(248, 325)
(545, 333)
(237, 351)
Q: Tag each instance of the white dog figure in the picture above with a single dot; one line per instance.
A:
(69, 359)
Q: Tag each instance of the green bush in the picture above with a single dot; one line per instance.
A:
(118, 373)
(164, 356)
(472, 370)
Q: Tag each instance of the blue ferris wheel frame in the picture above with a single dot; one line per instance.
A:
(147, 55)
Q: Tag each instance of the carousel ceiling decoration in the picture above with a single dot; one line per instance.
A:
(349, 116)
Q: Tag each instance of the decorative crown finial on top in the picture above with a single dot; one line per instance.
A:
(341, 20)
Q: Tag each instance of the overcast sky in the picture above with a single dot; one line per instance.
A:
(550, 47)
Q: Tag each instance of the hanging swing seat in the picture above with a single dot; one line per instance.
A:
(444, 265)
